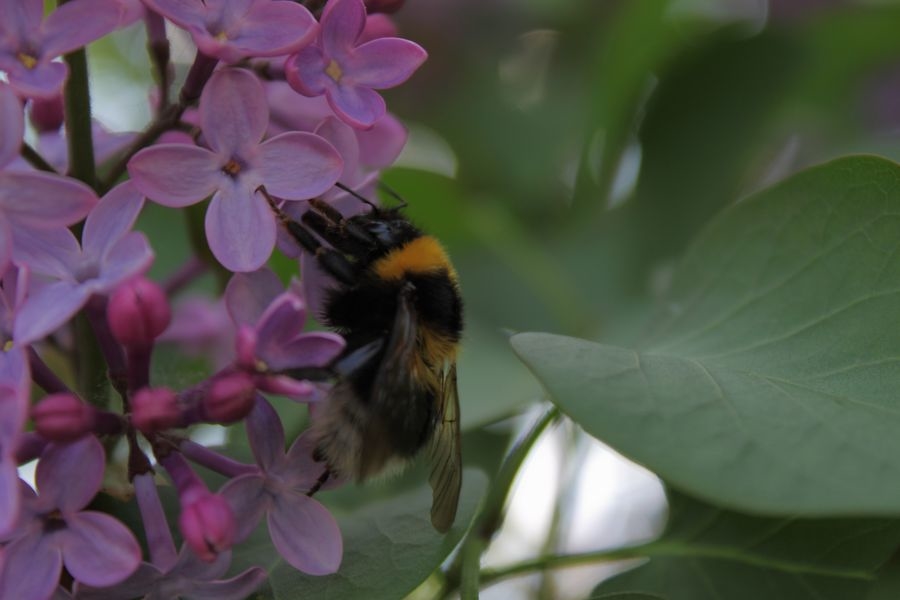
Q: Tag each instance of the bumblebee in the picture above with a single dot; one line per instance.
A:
(398, 306)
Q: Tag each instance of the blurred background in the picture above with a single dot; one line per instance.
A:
(566, 152)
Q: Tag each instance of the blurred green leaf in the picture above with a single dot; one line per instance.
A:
(707, 553)
(389, 549)
(769, 381)
(626, 596)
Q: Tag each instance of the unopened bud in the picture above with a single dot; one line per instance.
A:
(229, 398)
(155, 409)
(138, 312)
(63, 418)
(47, 114)
(207, 523)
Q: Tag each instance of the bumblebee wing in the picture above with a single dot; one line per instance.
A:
(446, 457)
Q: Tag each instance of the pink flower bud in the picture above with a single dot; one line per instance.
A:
(47, 114)
(138, 312)
(229, 398)
(63, 418)
(155, 409)
(207, 523)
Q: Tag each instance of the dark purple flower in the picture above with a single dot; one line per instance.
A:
(270, 333)
(63, 417)
(111, 254)
(234, 29)
(347, 72)
(14, 393)
(240, 226)
(54, 530)
(303, 530)
(29, 42)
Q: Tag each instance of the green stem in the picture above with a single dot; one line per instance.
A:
(35, 159)
(78, 119)
(90, 366)
(667, 549)
(464, 572)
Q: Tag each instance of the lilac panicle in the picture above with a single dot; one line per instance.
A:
(110, 254)
(54, 530)
(303, 531)
(29, 42)
(240, 226)
(14, 393)
(270, 336)
(348, 72)
(234, 29)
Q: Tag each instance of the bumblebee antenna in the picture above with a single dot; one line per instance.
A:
(393, 193)
(356, 195)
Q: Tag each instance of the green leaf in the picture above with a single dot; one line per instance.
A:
(708, 553)
(389, 549)
(769, 381)
(626, 596)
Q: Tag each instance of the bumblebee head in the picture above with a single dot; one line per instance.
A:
(389, 227)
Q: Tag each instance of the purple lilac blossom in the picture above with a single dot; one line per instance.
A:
(302, 530)
(54, 149)
(54, 530)
(270, 333)
(110, 254)
(231, 30)
(348, 72)
(14, 392)
(240, 226)
(29, 42)
(13, 130)
(202, 327)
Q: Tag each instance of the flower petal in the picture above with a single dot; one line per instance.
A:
(343, 138)
(247, 295)
(238, 587)
(129, 257)
(77, 24)
(233, 111)
(281, 322)
(380, 146)
(342, 23)
(356, 105)
(69, 475)
(315, 349)
(21, 17)
(49, 252)
(176, 175)
(31, 568)
(11, 115)
(265, 434)
(98, 550)
(111, 219)
(248, 501)
(317, 284)
(240, 229)
(47, 310)
(384, 62)
(298, 165)
(45, 80)
(184, 13)
(305, 534)
(300, 470)
(139, 584)
(9, 494)
(190, 565)
(6, 248)
(44, 200)
(274, 29)
(305, 72)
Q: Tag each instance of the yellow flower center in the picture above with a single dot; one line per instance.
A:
(8, 346)
(221, 37)
(334, 71)
(26, 59)
(232, 167)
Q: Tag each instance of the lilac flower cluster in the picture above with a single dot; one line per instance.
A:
(279, 97)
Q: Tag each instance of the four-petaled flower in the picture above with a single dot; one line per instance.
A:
(270, 333)
(54, 530)
(347, 72)
(234, 29)
(240, 225)
(29, 43)
(15, 388)
(303, 531)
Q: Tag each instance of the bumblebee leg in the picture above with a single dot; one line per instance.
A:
(333, 262)
(322, 480)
